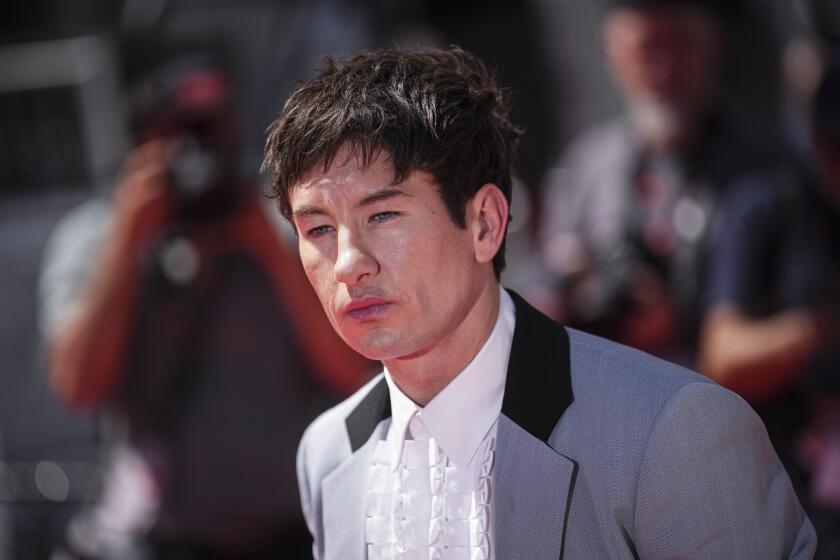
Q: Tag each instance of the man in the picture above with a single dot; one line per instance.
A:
(493, 432)
(629, 219)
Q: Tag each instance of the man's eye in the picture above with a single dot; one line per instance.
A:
(319, 231)
(383, 216)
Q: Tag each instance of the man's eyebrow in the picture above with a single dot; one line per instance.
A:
(305, 211)
(380, 195)
(372, 198)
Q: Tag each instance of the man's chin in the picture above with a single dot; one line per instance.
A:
(379, 344)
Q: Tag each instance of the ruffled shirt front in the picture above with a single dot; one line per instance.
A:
(428, 492)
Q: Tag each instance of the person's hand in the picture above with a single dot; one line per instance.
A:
(143, 203)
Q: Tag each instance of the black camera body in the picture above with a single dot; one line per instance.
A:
(200, 174)
(188, 104)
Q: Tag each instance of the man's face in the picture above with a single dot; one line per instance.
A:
(662, 59)
(395, 274)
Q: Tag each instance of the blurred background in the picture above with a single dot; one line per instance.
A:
(677, 190)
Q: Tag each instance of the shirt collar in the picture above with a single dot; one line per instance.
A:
(461, 415)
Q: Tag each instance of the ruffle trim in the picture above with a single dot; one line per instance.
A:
(427, 509)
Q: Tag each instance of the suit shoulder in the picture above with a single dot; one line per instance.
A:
(592, 356)
(710, 436)
(628, 387)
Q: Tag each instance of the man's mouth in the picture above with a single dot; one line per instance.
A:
(366, 308)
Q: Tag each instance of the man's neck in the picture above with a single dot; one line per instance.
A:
(421, 377)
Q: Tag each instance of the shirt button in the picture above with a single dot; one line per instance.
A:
(417, 429)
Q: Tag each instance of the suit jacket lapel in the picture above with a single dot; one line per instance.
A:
(533, 483)
(343, 494)
(538, 387)
(343, 489)
(533, 489)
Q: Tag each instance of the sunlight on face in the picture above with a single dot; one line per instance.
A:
(394, 273)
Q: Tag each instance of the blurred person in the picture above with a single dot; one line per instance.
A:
(630, 212)
(492, 432)
(175, 308)
(773, 332)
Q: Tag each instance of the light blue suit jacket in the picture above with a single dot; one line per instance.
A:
(602, 452)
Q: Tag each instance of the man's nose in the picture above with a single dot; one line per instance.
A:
(354, 262)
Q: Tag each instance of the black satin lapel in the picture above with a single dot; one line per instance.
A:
(374, 408)
(538, 388)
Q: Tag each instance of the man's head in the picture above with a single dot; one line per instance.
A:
(437, 111)
(395, 168)
(662, 54)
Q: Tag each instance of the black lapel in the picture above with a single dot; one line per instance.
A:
(375, 407)
(538, 388)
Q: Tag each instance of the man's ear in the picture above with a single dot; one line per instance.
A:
(487, 218)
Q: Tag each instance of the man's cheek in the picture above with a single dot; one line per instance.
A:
(321, 280)
(322, 290)
(312, 267)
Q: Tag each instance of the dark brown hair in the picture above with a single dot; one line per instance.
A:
(437, 111)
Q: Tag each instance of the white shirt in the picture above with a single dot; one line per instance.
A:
(428, 493)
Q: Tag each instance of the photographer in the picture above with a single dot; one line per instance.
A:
(175, 307)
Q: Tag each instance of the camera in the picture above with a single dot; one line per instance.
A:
(187, 103)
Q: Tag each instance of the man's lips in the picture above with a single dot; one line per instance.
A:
(365, 309)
